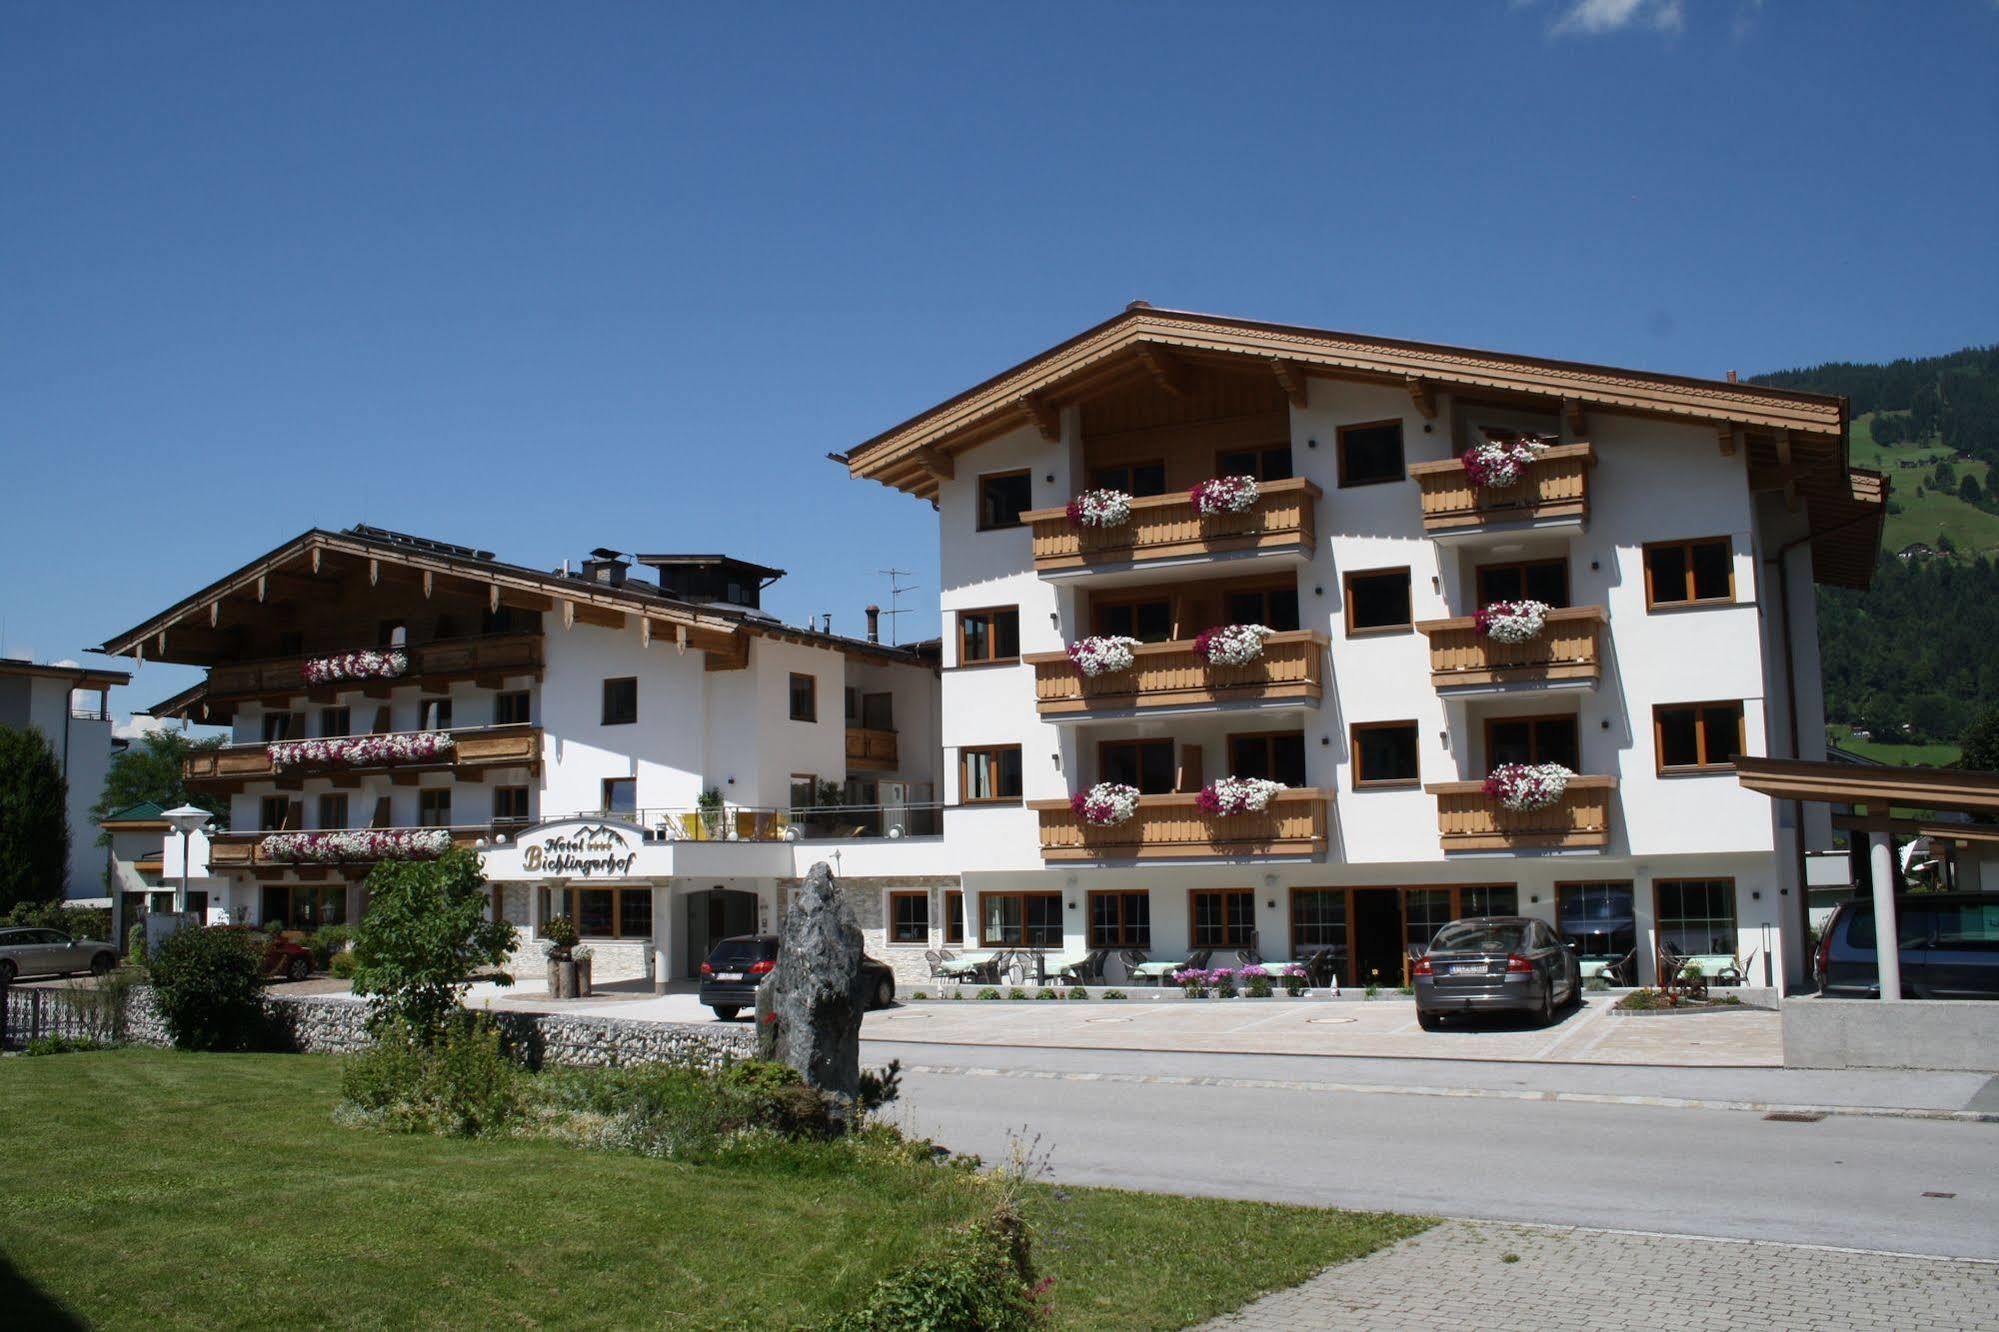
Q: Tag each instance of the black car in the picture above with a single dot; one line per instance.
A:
(1492, 964)
(1949, 947)
(730, 976)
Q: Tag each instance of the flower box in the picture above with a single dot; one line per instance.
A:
(1237, 795)
(360, 751)
(1225, 494)
(1106, 804)
(341, 845)
(1104, 655)
(1521, 787)
(1100, 508)
(1231, 644)
(1513, 621)
(1495, 464)
(364, 665)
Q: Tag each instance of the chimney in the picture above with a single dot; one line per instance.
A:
(826, 622)
(874, 614)
(1731, 377)
(606, 567)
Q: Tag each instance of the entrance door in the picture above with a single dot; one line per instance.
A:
(715, 915)
(1377, 936)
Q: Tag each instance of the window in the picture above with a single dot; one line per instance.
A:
(333, 811)
(301, 906)
(1370, 454)
(1003, 497)
(1692, 737)
(1533, 740)
(1597, 918)
(954, 917)
(433, 807)
(1278, 756)
(1532, 580)
(433, 714)
(621, 701)
(988, 774)
(391, 633)
(1689, 573)
(1120, 920)
(335, 721)
(986, 636)
(1318, 919)
(610, 913)
(511, 708)
(1697, 915)
(1491, 899)
(621, 795)
(804, 790)
(1145, 764)
(274, 813)
(1139, 478)
(1020, 920)
(1222, 917)
(909, 918)
(510, 804)
(1384, 754)
(1378, 599)
(1424, 912)
(804, 697)
(280, 726)
(1266, 464)
(1273, 607)
(1149, 620)
(878, 712)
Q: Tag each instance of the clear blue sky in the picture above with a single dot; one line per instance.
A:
(541, 278)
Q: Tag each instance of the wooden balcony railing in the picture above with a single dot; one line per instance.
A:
(1173, 827)
(1169, 675)
(1569, 649)
(244, 850)
(473, 749)
(1168, 527)
(1554, 487)
(872, 748)
(430, 663)
(1470, 820)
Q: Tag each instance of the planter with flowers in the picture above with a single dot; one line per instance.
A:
(351, 844)
(1231, 644)
(1495, 464)
(1100, 508)
(387, 664)
(360, 751)
(1193, 982)
(1103, 654)
(1524, 787)
(1236, 795)
(1513, 621)
(1224, 494)
(1294, 978)
(1105, 805)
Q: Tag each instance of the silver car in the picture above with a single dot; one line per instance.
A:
(35, 952)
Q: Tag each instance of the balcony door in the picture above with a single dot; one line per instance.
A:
(1145, 764)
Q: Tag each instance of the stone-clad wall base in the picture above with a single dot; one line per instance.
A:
(869, 898)
(335, 1025)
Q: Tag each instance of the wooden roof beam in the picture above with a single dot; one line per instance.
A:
(1572, 417)
(1423, 393)
(1167, 370)
(1046, 419)
(940, 466)
(1291, 378)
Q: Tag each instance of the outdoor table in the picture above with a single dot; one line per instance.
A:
(963, 964)
(1156, 972)
(1715, 966)
(1592, 967)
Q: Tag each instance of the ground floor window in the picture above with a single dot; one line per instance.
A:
(909, 917)
(1424, 912)
(1223, 917)
(303, 906)
(1597, 919)
(954, 917)
(1318, 918)
(1488, 899)
(603, 913)
(1121, 920)
(1697, 915)
(1020, 920)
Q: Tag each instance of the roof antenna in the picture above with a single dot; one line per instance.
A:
(895, 607)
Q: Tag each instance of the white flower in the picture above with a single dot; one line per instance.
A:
(334, 847)
(1527, 786)
(1100, 508)
(1513, 621)
(364, 665)
(360, 751)
(1495, 464)
(1238, 795)
(1106, 804)
(1231, 645)
(1102, 656)
(1225, 494)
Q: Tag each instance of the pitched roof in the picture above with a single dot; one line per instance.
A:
(145, 814)
(80, 677)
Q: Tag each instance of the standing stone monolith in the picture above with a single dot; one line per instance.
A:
(817, 986)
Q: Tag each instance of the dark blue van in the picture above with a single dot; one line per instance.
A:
(1949, 947)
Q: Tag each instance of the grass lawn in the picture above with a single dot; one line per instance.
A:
(150, 1189)
(1970, 529)
(1920, 756)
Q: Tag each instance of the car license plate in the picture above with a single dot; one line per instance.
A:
(728, 975)
(1467, 969)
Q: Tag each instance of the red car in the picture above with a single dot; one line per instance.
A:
(283, 957)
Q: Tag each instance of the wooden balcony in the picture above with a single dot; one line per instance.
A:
(473, 751)
(1172, 827)
(1167, 527)
(488, 655)
(1169, 675)
(1552, 491)
(871, 749)
(244, 850)
(1567, 655)
(1470, 820)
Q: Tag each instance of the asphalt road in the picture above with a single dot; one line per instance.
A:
(1846, 1180)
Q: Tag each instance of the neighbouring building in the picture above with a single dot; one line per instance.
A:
(654, 757)
(136, 835)
(1672, 530)
(67, 704)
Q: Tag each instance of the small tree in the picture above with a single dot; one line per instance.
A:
(424, 934)
(34, 820)
(151, 770)
(208, 983)
(1981, 743)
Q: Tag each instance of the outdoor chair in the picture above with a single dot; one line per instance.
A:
(1322, 968)
(935, 958)
(1248, 957)
(1619, 973)
(1198, 959)
(1133, 958)
(988, 972)
(1090, 971)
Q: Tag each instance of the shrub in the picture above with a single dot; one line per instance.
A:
(1640, 999)
(957, 994)
(77, 922)
(1405, 989)
(34, 818)
(425, 934)
(343, 965)
(1045, 993)
(982, 1280)
(455, 1081)
(1294, 981)
(208, 983)
(989, 993)
(1016, 993)
(1256, 985)
(327, 943)
(1077, 992)
(1372, 989)
(919, 994)
(54, 1045)
(560, 934)
(135, 945)
(1114, 994)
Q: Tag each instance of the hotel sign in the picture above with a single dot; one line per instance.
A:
(581, 851)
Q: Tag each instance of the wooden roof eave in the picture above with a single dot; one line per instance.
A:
(1883, 787)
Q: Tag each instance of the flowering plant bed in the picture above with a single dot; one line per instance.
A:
(1100, 508)
(1231, 644)
(1106, 804)
(1224, 494)
(363, 665)
(328, 848)
(1521, 787)
(1498, 463)
(1513, 621)
(360, 751)
(1237, 795)
(1105, 655)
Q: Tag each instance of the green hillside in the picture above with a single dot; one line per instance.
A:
(1913, 516)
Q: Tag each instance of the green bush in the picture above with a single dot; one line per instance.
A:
(919, 994)
(957, 994)
(456, 1081)
(327, 943)
(1640, 999)
(1077, 992)
(1256, 987)
(1016, 993)
(989, 993)
(343, 965)
(1046, 993)
(559, 932)
(76, 922)
(1115, 994)
(425, 935)
(982, 1280)
(208, 985)
(135, 945)
(54, 1045)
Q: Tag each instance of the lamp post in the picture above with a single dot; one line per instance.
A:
(187, 820)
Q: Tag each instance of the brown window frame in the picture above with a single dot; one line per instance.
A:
(325, 819)
(1533, 720)
(1099, 604)
(343, 715)
(1705, 764)
(954, 916)
(504, 700)
(991, 614)
(1264, 588)
(1654, 602)
(1345, 945)
(1361, 783)
(1262, 452)
(965, 753)
(1340, 452)
(506, 791)
(1021, 895)
(1522, 566)
(811, 696)
(426, 796)
(1124, 935)
(1266, 739)
(1364, 631)
(1680, 881)
(1097, 482)
(265, 804)
(568, 899)
(1141, 743)
(1194, 896)
(893, 925)
(980, 498)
